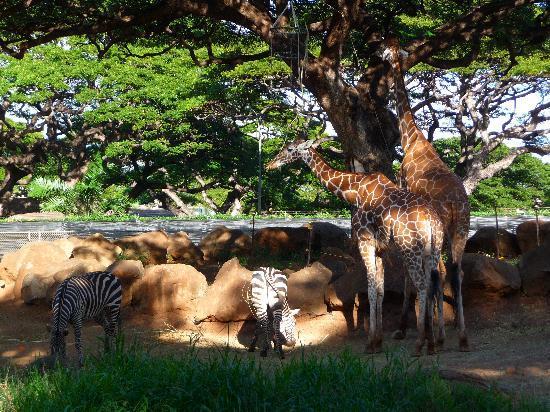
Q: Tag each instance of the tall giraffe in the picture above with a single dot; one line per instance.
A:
(425, 174)
(385, 213)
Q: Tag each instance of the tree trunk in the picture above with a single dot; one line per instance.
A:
(181, 208)
(13, 175)
(367, 129)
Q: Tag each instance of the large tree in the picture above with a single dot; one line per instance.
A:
(342, 70)
(485, 108)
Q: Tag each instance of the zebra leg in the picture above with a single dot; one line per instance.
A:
(257, 331)
(78, 340)
(112, 325)
(263, 327)
(278, 337)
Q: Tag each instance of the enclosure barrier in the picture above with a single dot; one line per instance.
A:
(10, 241)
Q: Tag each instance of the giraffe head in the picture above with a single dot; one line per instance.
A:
(391, 50)
(291, 152)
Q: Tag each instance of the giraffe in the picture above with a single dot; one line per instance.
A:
(424, 173)
(384, 213)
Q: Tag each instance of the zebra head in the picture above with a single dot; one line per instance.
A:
(57, 341)
(288, 326)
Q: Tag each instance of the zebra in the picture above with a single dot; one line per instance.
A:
(268, 303)
(94, 295)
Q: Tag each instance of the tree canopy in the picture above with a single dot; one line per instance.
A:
(169, 96)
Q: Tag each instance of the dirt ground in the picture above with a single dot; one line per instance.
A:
(510, 340)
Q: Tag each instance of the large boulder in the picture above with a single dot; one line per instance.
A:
(67, 269)
(32, 257)
(128, 272)
(34, 287)
(95, 247)
(224, 301)
(283, 240)
(488, 277)
(534, 269)
(486, 239)
(7, 285)
(328, 235)
(347, 280)
(166, 288)
(307, 288)
(222, 243)
(149, 247)
(182, 250)
(527, 234)
(347, 285)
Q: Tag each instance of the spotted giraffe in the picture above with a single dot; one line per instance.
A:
(426, 174)
(385, 213)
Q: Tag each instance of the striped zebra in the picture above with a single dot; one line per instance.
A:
(95, 295)
(269, 306)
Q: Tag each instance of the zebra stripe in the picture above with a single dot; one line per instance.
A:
(95, 295)
(269, 306)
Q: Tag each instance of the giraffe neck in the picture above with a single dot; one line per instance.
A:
(345, 185)
(407, 125)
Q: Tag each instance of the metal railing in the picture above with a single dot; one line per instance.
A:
(10, 241)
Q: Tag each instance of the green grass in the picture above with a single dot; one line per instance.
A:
(137, 381)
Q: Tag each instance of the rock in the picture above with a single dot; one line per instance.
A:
(488, 277)
(10, 264)
(35, 257)
(7, 285)
(182, 250)
(34, 287)
(307, 288)
(6, 291)
(485, 241)
(95, 247)
(149, 247)
(70, 268)
(283, 240)
(326, 235)
(222, 243)
(166, 288)
(37, 216)
(534, 269)
(223, 301)
(347, 284)
(128, 272)
(527, 234)
(67, 245)
(347, 278)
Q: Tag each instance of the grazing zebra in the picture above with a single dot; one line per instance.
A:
(95, 295)
(269, 306)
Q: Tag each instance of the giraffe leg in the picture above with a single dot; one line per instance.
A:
(379, 300)
(401, 332)
(457, 276)
(367, 250)
(421, 322)
(439, 292)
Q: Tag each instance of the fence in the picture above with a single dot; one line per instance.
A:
(10, 241)
(13, 235)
